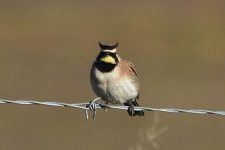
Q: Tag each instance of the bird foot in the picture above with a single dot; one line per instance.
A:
(130, 110)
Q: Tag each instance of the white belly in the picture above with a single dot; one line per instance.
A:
(112, 88)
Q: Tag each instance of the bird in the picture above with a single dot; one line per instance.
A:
(115, 79)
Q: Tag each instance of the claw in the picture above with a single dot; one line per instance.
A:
(131, 110)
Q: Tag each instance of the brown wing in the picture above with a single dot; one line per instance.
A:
(129, 69)
(132, 68)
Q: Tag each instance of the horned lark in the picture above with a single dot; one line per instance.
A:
(114, 79)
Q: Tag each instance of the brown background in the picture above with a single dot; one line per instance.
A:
(46, 51)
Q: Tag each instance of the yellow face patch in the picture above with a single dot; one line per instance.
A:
(108, 59)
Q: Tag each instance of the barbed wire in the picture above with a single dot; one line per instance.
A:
(94, 105)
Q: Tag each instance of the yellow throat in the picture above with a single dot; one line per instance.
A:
(108, 59)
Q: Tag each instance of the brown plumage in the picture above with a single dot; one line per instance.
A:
(115, 80)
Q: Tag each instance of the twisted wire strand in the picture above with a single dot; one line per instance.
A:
(93, 106)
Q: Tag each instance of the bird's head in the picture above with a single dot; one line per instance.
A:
(108, 54)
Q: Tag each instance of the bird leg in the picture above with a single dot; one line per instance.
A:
(130, 109)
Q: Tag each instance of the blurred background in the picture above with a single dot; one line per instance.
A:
(46, 52)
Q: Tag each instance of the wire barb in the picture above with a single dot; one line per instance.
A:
(94, 105)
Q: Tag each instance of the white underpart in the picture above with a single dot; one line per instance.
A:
(113, 88)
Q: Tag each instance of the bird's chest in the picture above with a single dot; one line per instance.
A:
(106, 80)
(114, 87)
